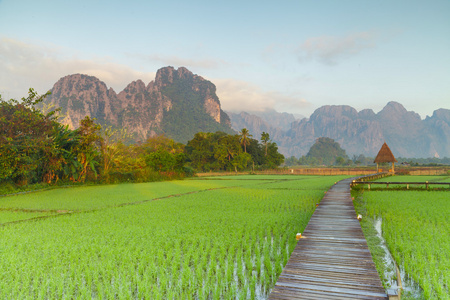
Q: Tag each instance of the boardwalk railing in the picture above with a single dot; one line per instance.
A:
(407, 184)
(371, 177)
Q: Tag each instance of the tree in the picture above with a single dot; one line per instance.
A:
(256, 150)
(110, 141)
(163, 154)
(200, 151)
(265, 140)
(291, 161)
(340, 161)
(87, 150)
(226, 150)
(26, 140)
(241, 161)
(59, 161)
(244, 138)
(273, 158)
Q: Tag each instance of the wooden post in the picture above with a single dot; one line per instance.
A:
(399, 282)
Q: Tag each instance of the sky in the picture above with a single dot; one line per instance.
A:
(291, 56)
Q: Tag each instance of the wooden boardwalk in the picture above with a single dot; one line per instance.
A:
(331, 260)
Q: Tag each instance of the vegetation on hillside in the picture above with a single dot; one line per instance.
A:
(187, 115)
(324, 151)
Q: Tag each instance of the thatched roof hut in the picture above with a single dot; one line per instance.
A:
(385, 156)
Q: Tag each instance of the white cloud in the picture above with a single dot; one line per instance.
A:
(330, 50)
(25, 65)
(235, 95)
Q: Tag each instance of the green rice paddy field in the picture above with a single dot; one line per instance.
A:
(209, 238)
(416, 227)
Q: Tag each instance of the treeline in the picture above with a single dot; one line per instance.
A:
(431, 161)
(224, 152)
(362, 160)
(327, 152)
(36, 148)
(339, 161)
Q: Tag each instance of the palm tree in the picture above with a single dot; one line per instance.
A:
(244, 138)
(265, 140)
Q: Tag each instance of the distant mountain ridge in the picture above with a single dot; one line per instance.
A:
(360, 132)
(177, 103)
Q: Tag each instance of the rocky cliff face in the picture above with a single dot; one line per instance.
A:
(80, 95)
(144, 110)
(254, 124)
(276, 119)
(361, 132)
(438, 127)
(341, 123)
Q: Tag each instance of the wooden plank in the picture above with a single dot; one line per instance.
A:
(332, 259)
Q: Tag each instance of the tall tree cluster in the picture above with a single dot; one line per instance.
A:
(224, 152)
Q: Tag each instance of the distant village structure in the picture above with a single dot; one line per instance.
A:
(385, 156)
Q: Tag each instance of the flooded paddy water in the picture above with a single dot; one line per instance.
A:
(405, 285)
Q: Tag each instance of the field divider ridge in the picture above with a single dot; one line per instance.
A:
(62, 212)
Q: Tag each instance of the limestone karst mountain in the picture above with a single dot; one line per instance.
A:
(177, 103)
(360, 132)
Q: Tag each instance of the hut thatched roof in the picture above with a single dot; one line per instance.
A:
(384, 155)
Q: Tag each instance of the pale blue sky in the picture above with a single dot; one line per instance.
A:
(294, 56)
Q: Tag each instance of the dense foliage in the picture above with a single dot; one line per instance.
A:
(231, 240)
(31, 144)
(35, 148)
(221, 151)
